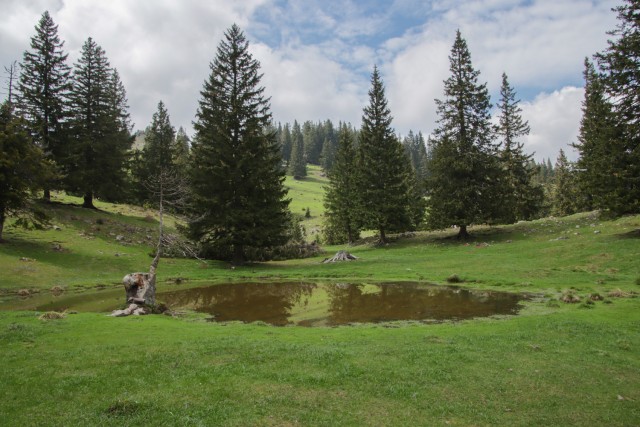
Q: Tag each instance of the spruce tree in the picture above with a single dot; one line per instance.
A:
(236, 175)
(159, 146)
(297, 162)
(341, 199)
(521, 198)
(463, 185)
(601, 146)
(43, 88)
(23, 170)
(101, 128)
(157, 154)
(621, 76)
(286, 143)
(564, 193)
(384, 174)
(180, 151)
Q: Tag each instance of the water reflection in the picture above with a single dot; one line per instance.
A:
(309, 304)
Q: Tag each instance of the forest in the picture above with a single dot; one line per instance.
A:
(67, 128)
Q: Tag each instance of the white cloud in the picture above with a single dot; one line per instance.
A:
(317, 55)
(540, 44)
(554, 119)
(306, 85)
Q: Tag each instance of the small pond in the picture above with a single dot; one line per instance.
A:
(310, 304)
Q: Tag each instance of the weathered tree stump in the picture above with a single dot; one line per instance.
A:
(140, 288)
(341, 256)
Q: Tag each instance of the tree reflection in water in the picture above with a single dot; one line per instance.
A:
(275, 303)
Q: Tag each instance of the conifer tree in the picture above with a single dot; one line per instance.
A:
(601, 146)
(564, 187)
(159, 145)
(101, 128)
(43, 87)
(180, 151)
(384, 174)
(23, 170)
(341, 200)
(236, 175)
(297, 162)
(463, 185)
(621, 76)
(521, 198)
(157, 155)
(286, 142)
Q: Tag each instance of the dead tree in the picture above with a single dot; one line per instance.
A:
(169, 190)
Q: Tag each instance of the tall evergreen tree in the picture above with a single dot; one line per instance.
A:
(237, 179)
(157, 155)
(564, 192)
(341, 199)
(601, 146)
(180, 152)
(159, 145)
(286, 142)
(384, 175)
(521, 198)
(621, 76)
(43, 87)
(464, 168)
(23, 170)
(101, 128)
(297, 162)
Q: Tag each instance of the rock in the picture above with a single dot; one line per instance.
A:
(596, 232)
(55, 227)
(118, 313)
(119, 237)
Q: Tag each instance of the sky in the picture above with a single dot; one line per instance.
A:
(317, 55)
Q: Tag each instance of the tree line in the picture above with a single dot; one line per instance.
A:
(68, 128)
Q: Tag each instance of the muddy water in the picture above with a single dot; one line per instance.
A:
(310, 304)
(305, 304)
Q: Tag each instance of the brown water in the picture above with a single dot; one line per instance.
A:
(304, 304)
(309, 304)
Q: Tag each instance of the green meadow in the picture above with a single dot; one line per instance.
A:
(553, 364)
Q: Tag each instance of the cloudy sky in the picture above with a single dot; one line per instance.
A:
(317, 55)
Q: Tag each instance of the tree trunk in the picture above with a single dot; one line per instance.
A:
(238, 255)
(47, 195)
(88, 200)
(463, 234)
(383, 237)
(2, 218)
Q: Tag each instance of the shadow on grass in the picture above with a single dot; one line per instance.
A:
(633, 234)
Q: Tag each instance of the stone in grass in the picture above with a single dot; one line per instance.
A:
(454, 278)
(133, 309)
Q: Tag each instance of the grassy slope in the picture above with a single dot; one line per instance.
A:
(567, 367)
(553, 365)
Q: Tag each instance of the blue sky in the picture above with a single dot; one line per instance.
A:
(317, 55)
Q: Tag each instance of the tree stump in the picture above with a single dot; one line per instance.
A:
(341, 256)
(139, 288)
(140, 291)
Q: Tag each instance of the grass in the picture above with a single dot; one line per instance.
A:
(554, 364)
(308, 193)
(563, 367)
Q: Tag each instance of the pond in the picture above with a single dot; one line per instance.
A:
(311, 304)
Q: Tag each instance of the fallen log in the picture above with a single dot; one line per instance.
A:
(341, 256)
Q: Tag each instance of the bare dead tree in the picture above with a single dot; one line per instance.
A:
(170, 191)
(11, 75)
